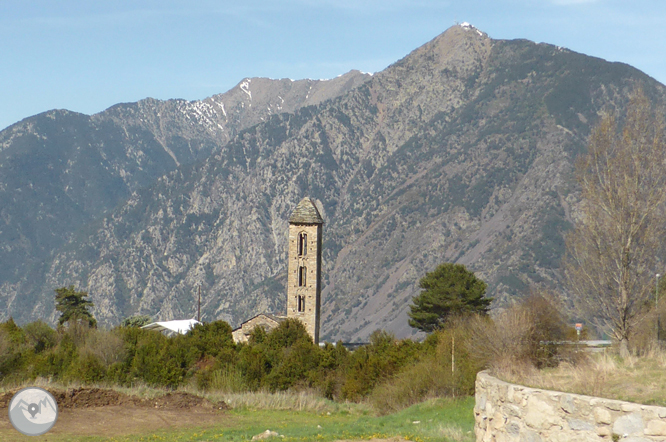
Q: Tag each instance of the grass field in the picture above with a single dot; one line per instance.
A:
(439, 420)
(434, 420)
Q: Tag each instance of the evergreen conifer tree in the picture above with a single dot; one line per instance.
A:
(449, 290)
(73, 306)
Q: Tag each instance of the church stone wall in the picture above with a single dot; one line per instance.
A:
(311, 291)
(242, 334)
(513, 413)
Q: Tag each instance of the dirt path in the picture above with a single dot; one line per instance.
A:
(118, 420)
(102, 412)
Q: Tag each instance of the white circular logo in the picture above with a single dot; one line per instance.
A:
(33, 411)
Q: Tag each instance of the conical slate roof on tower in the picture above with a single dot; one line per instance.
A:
(306, 213)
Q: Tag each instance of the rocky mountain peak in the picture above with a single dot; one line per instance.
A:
(461, 48)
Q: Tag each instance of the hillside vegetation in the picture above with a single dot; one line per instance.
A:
(207, 360)
(388, 373)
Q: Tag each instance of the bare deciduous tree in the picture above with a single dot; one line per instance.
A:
(612, 252)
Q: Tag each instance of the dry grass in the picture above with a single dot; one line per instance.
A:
(640, 379)
(452, 433)
(140, 391)
(288, 400)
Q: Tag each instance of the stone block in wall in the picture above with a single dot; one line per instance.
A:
(540, 414)
(602, 416)
(580, 425)
(656, 427)
(628, 407)
(629, 425)
(604, 431)
(530, 436)
(513, 428)
(512, 410)
(480, 403)
(567, 404)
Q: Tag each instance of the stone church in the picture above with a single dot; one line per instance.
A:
(304, 275)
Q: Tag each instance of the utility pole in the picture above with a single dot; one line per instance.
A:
(199, 305)
(656, 306)
(453, 362)
(579, 327)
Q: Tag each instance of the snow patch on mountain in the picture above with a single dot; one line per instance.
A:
(245, 87)
(203, 114)
(467, 26)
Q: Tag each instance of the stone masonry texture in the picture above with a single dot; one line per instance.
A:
(305, 221)
(268, 322)
(513, 413)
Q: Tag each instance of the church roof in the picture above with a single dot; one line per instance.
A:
(181, 326)
(306, 213)
(276, 318)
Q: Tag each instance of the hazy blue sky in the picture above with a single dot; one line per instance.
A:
(88, 55)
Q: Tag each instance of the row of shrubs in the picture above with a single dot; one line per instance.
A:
(389, 372)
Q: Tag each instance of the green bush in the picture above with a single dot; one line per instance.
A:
(415, 384)
(329, 375)
(280, 359)
(212, 339)
(11, 361)
(373, 363)
(161, 361)
(40, 336)
(57, 361)
(136, 321)
(86, 369)
(291, 365)
(254, 364)
(13, 332)
(228, 379)
(433, 374)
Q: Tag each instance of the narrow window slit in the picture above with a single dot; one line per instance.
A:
(302, 244)
(302, 274)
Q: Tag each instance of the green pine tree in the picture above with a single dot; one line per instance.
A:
(73, 306)
(136, 321)
(449, 290)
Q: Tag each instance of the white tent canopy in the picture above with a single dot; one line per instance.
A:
(181, 326)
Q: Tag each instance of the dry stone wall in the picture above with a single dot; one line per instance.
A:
(506, 413)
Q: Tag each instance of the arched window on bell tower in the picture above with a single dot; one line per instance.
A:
(301, 303)
(302, 274)
(302, 244)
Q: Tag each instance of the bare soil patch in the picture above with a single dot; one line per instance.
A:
(85, 397)
(105, 412)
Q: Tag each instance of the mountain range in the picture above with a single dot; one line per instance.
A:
(463, 151)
